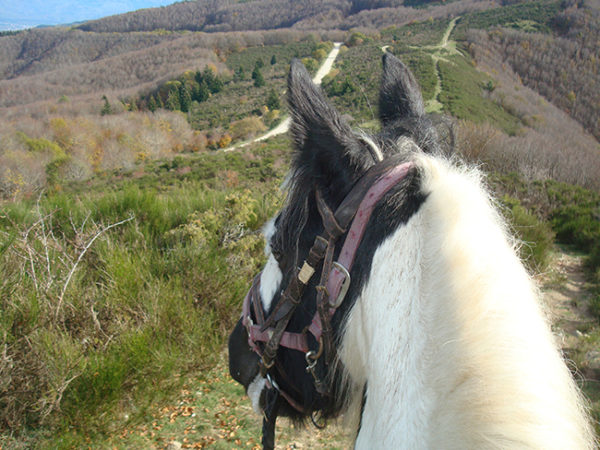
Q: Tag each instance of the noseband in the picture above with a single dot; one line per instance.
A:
(351, 217)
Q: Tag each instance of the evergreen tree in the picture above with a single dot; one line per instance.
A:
(239, 74)
(216, 85)
(259, 81)
(259, 63)
(273, 60)
(212, 80)
(173, 101)
(152, 106)
(273, 100)
(185, 98)
(106, 109)
(201, 93)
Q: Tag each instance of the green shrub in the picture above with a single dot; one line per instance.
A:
(536, 236)
(575, 216)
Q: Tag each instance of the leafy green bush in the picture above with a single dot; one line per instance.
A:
(536, 236)
(576, 214)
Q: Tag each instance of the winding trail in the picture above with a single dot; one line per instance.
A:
(284, 126)
(446, 47)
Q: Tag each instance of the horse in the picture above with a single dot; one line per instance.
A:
(423, 329)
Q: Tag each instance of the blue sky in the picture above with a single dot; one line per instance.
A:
(16, 14)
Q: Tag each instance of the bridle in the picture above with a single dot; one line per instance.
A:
(350, 218)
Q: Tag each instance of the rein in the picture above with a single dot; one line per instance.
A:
(350, 218)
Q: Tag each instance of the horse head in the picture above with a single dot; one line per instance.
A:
(391, 280)
(331, 162)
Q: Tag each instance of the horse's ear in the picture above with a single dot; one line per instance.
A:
(324, 140)
(400, 96)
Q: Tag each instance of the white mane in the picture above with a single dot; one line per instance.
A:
(449, 337)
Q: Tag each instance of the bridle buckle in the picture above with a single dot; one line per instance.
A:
(344, 287)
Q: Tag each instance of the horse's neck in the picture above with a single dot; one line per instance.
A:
(448, 338)
(385, 343)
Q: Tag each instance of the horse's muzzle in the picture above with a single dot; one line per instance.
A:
(243, 361)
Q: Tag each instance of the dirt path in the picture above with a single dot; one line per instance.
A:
(284, 126)
(565, 290)
(445, 47)
(567, 295)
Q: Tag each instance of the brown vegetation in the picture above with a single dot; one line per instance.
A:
(562, 69)
(77, 147)
(551, 145)
(211, 16)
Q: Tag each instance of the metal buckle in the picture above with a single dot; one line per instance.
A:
(271, 381)
(312, 357)
(310, 362)
(344, 287)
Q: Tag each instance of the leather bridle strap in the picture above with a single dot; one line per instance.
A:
(290, 299)
(356, 207)
(362, 213)
(269, 419)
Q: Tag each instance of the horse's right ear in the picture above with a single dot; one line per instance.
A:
(400, 96)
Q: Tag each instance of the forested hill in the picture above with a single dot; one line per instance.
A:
(235, 15)
(135, 51)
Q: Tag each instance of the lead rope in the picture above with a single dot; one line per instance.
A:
(269, 418)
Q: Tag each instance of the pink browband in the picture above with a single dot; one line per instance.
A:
(353, 239)
(339, 279)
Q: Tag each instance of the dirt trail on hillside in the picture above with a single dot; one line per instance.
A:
(565, 290)
(284, 126)
(445, 47)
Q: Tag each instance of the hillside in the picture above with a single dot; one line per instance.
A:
(231, 15)
(128, 237)
(129, 50)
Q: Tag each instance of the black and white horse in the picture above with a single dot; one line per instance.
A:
(440, 340)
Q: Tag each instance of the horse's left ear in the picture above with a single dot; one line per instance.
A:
(400, 96)
(325, 142)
